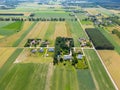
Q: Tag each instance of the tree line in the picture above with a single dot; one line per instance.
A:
(31, 19)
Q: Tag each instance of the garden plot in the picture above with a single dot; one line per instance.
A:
(111, 60)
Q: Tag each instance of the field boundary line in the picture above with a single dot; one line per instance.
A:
(106, 70)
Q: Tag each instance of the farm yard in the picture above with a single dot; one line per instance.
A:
(53, 47)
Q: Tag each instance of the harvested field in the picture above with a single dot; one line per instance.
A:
(8, 41)
(111, 60)
(5, 53)
(38, 31)
(60, 30)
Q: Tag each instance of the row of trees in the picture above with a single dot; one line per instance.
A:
(32, 19)
(99, 40)
(62, 46)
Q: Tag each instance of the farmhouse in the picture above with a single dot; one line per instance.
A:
(80, 56)
(41, 50)
(51, 49)
(67, 57)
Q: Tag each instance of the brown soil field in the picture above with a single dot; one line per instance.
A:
(38, 31)
(8, 41)
(5, 53)
(61, 30)
(111, 60)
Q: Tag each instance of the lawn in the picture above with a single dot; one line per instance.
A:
(11, 28)
(103, 81)
(25, 77)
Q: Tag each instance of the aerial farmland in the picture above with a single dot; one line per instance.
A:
(58, 46)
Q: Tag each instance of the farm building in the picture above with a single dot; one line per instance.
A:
(41, 50)
(80, 56)
(67, 57)
(51, 49)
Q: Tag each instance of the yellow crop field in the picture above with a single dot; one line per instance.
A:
(112, 61)
(5, 53)
(60, 30)
(38, 31)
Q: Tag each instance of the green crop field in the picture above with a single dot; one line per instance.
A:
(76, 32)
(11, 28)
(85, 80)
(102, 79)
(32, 67)
(25, 77)
(68, 78)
